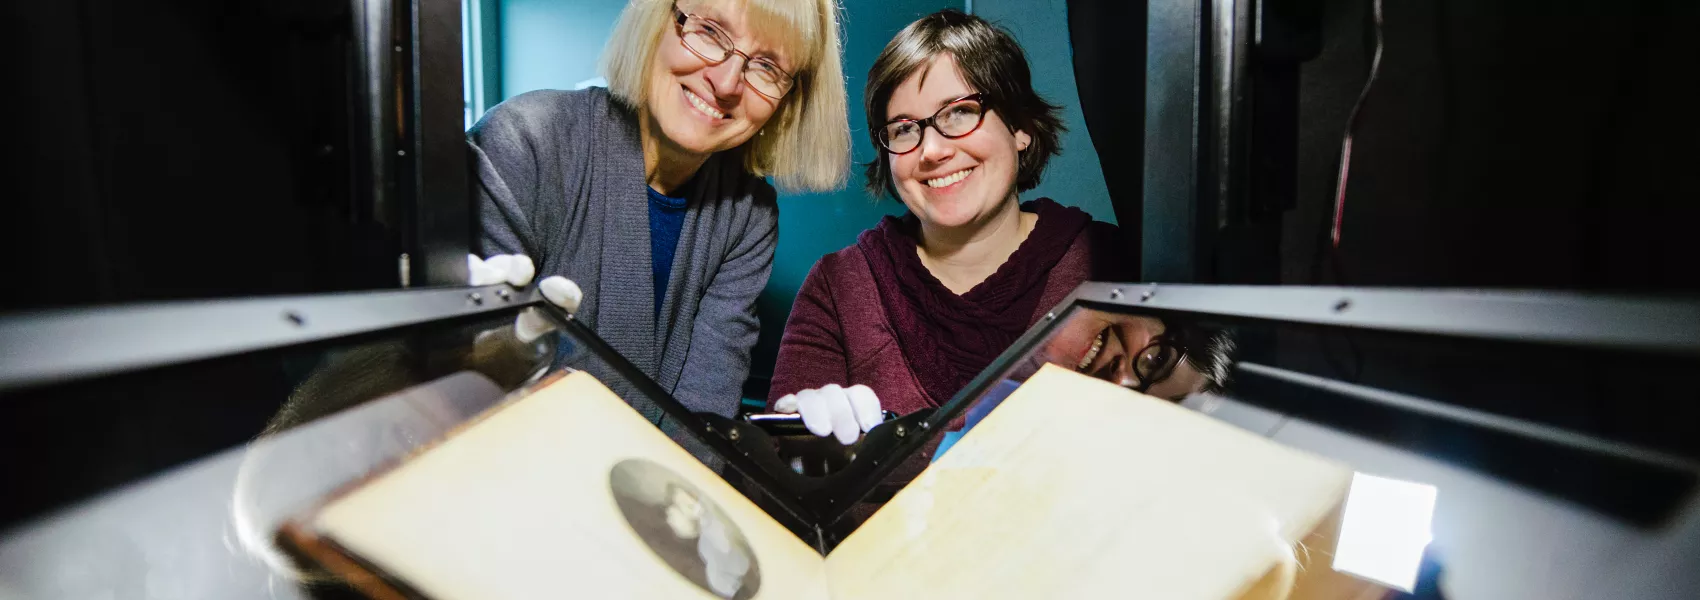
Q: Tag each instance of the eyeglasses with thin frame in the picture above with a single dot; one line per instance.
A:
(956, 119)
(708, 40)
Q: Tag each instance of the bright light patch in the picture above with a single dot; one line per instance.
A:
(1385, 529)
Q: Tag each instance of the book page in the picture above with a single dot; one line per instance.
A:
(1078, 488)
(567, 493)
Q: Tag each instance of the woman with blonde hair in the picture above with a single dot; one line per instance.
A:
(651, 194)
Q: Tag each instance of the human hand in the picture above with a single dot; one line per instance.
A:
(844, 412)
(517, 270)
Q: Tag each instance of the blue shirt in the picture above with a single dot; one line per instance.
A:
(666, 219)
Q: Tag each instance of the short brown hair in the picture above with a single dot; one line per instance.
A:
(991, 62)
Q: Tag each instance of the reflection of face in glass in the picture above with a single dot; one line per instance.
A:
(1132, 351)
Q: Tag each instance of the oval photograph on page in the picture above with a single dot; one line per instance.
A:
(685, 528)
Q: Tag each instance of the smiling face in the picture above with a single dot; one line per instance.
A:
(701, 108)
(953, 182)
(1120, 349)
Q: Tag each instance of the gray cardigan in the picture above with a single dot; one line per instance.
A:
(561, 179)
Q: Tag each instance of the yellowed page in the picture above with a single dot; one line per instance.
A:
(1077, 488)
(533, 502)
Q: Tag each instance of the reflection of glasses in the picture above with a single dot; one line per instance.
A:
(958, 118)
(1151, 366)
(1156, 361)
(708, 40)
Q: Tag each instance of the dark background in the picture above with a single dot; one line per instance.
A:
(1507, 143)
(206, 148)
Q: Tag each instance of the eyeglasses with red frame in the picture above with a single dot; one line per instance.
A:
(956, 119)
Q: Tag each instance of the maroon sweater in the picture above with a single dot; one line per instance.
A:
(850, 326)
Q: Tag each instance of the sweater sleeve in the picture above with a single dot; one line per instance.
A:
(503, 150)
(725, 328)
(812, 350)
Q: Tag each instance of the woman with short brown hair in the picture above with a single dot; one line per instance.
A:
(904, 318)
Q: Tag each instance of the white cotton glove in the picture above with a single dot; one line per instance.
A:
(561, 292)
(517, 270)
(512, 269)
(844, 412)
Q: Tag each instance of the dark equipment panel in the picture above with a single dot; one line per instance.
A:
(196, 149)
(1503, 144)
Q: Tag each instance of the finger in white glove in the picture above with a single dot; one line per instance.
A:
(480, 272)
(514, 269)
(562, 292)
(827, 411)
(499, 265)
(844, 423)
(816, 418)
(521, 270)
(531, 324)
(866, 406)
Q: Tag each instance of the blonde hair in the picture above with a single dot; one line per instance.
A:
(805, 146)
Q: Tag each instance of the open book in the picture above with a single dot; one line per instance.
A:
(1072, 488)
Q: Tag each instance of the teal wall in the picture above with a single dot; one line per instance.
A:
(481, 39)
(555, 44)
(1042, 28)
(812, 225)
(489, 39)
